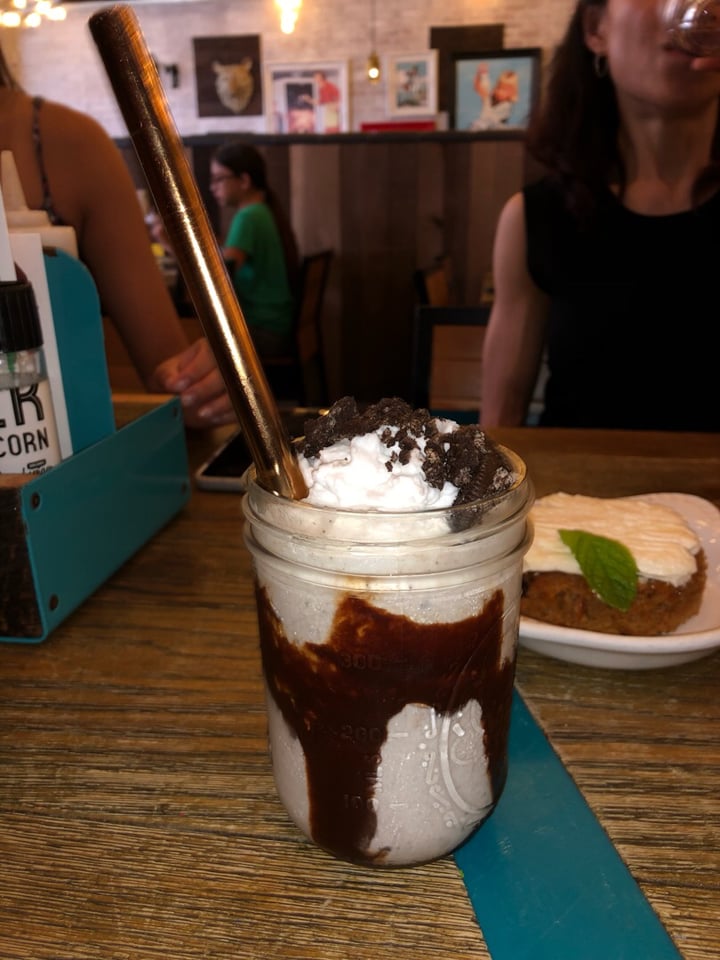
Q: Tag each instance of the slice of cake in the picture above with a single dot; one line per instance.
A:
(618, 565)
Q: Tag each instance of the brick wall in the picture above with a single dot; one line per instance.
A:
(59, 60)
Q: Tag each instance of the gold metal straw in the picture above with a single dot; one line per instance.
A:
(141, 99)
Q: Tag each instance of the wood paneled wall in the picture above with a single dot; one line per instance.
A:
(386, 204)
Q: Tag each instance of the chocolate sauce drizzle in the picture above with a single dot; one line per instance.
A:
(338, 698)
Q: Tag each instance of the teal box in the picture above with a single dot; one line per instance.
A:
(63, 533)
(81, 349)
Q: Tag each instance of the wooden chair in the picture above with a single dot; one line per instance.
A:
(433, 285)
(447, 359)
(447, 363)
(299, 377)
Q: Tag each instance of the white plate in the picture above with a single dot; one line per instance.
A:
(695, 638)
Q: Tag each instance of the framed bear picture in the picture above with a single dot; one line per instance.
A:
(228, 76)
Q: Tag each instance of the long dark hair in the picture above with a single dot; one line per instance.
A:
(574, 133)
(244, 158)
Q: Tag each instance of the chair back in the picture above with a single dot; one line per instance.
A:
(299, 377)
(433, 285)
(447, 358)
(314, 272)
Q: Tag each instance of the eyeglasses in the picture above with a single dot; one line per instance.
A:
(219, 177)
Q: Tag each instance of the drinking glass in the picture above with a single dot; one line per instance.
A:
(694, 25)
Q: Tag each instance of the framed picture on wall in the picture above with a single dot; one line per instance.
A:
(451, 40)
(411, 84)
(307, 97)
(495, 90)
(228, 76)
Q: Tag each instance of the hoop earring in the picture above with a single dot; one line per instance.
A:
(600, 64)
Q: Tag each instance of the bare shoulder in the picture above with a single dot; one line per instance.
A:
(512, 216)
(90, 183)
(510, 251)
(87, 173)
(69, 129)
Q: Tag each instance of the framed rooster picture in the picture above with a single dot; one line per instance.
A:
(495, 91)
(228, 76)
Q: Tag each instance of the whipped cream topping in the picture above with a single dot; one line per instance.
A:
(389, 457)
(356, 474)
(663, 545)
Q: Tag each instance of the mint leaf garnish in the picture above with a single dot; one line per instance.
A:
(607, 565)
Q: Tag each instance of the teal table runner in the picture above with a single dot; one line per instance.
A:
(544, 879)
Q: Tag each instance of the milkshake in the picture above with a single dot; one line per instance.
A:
(388, 607)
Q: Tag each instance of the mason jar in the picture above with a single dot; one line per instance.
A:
(388, 646)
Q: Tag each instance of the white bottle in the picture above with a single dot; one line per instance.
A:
(28, 434)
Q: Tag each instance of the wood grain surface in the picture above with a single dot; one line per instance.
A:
(138, 816)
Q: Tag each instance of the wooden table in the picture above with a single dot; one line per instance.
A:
(138, 817)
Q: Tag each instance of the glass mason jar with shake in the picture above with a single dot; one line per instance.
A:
(388, 634)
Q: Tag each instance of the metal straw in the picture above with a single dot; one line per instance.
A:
(139, 93)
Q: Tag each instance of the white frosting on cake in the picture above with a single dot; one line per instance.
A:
(663, 545)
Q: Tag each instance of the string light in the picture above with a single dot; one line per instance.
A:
(30, 13)
(373, 67)
(289, 10)
(373, 62)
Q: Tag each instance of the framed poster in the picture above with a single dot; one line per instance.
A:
(228, 76)
(451, 40)
(495, 90)
(411, 84)
(307, 97)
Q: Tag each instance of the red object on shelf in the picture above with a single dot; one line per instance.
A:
(392, 126)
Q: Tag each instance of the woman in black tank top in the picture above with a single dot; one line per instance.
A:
(608, 264)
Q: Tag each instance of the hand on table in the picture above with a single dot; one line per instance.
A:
(193, 375)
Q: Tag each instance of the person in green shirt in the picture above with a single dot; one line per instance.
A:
(260, 247)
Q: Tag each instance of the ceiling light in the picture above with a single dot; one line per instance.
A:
(373, 63)
(289, 10)
(30, 13)
(373, 67)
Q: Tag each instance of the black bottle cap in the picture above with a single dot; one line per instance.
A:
(19, 319)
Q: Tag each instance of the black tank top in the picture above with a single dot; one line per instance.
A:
(634, 306)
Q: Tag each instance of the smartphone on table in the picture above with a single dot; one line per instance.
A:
(224, 469)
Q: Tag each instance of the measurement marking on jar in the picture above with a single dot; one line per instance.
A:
(430, 765)
(430, 731)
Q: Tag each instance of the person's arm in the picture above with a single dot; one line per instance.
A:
(514, 342)
(94, 192)
(234, 257)
(239, 244)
